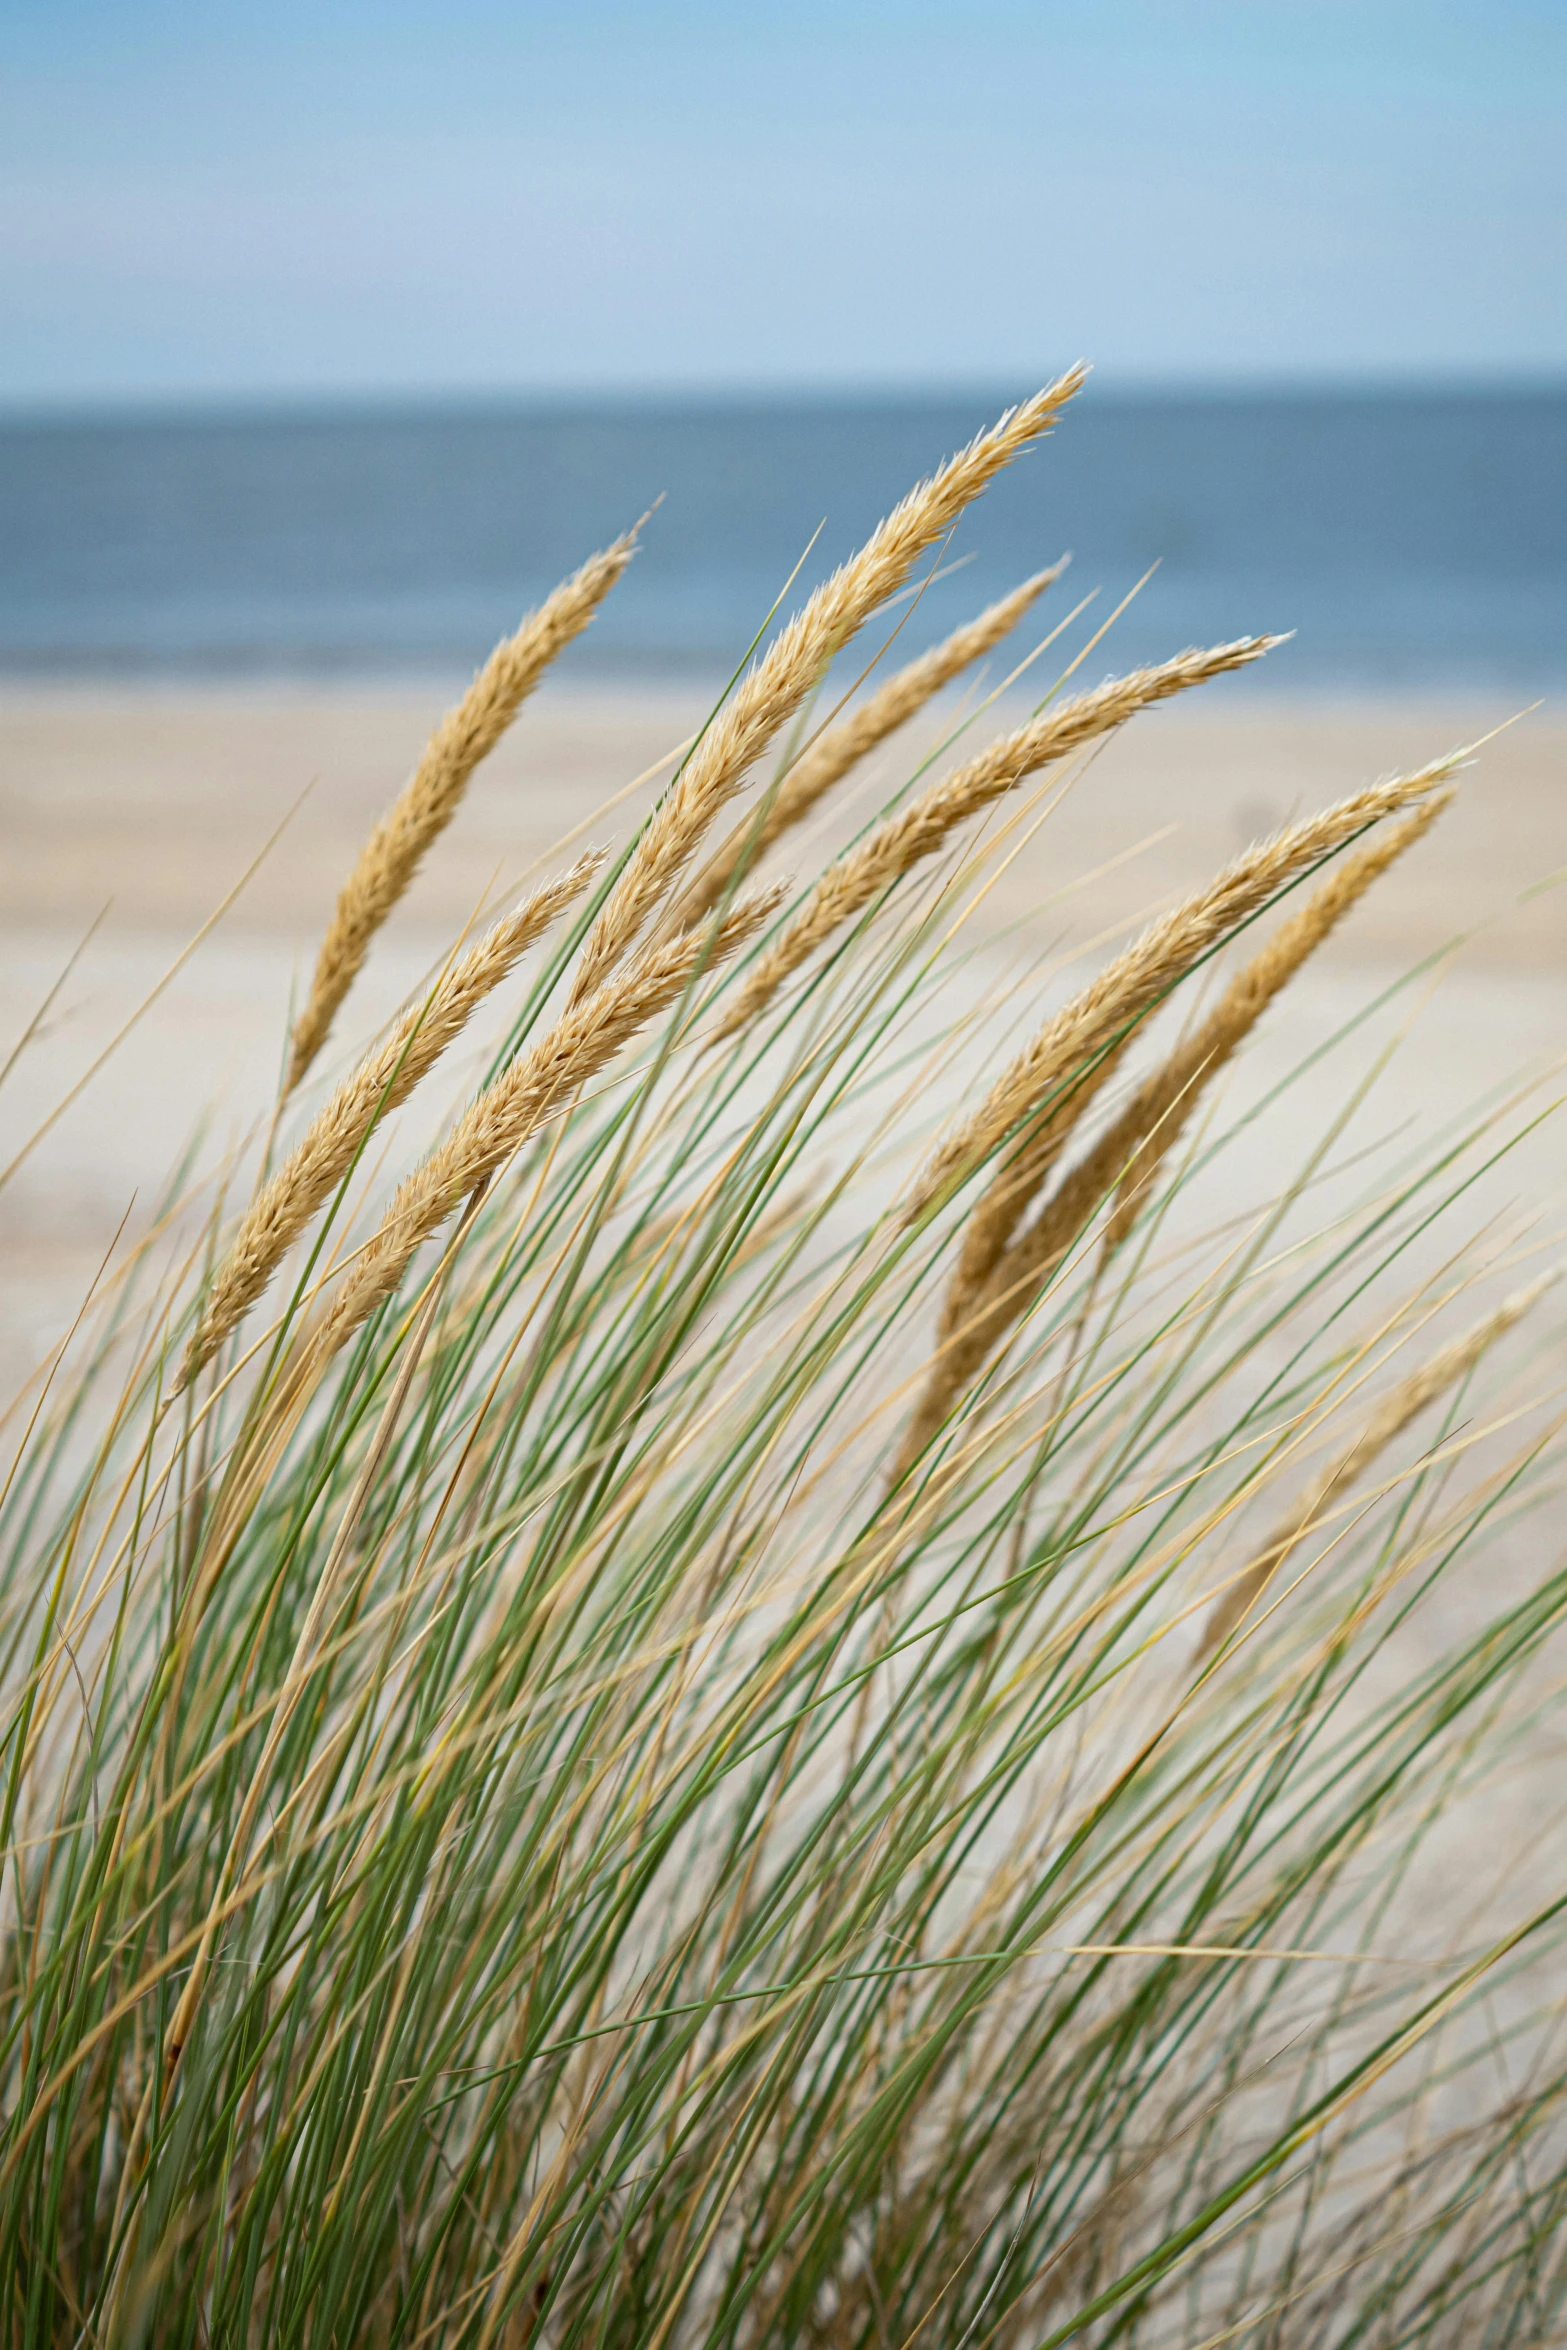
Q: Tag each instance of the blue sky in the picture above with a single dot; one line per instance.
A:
(241, 198)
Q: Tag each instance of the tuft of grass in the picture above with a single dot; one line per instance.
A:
(691, 1734)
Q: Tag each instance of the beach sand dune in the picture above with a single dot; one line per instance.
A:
(152, 803)
(159, 799)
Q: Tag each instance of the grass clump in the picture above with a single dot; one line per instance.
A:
(781, 1703)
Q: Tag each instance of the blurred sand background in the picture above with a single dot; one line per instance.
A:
(152, 803)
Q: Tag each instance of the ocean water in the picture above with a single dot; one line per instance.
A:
(1413, 540)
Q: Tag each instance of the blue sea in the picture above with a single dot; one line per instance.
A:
(1413, 540)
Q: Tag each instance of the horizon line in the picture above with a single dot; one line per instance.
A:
(1133, 387)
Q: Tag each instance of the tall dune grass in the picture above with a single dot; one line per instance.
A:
(643, 1750)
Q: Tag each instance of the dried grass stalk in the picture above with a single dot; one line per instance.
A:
(789, 670)
(494, 1128)
(918, 831)
(383, 1080)
(1151, 1125)
(428, 802)
(842, 747)
(990, 1293)
(1404, 1403)
(988, 1234)
(1058, 1067)
(997, 1280)
(1130, 1151)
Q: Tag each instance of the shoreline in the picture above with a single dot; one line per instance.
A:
(1259, 690)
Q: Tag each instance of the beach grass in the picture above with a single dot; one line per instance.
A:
(794, 1690)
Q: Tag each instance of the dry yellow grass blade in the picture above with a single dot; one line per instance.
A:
(919, 830)
(1404, 1403)
(1066, 1050)
(430, 799)
(789, 670)
(384, 1079)
(494, 1127)
(840, 748)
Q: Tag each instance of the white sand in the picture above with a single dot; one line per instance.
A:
(155, 802)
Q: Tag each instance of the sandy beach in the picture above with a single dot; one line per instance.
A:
(143, 809)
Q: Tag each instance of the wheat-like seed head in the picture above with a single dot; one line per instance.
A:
(1148, 1130)
(997, 1279)
(789, 670)
(511, 1110)
(1391, 1417)
(992, 1289)
(922, 828)
(429, 800)
(1130, 1151)
(1065, 1051)
(383, 1080)
(843, 746)
(1001, 1207)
